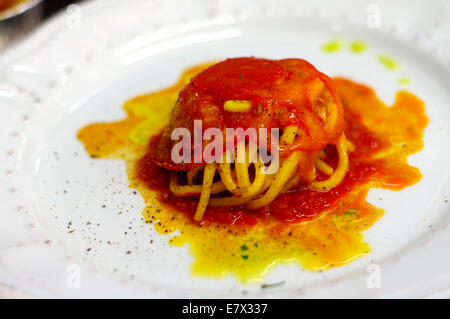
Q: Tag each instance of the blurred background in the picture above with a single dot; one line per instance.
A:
(53, 6)
(20, 17)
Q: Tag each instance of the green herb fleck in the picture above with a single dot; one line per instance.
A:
(404, 81)
(332, 46)
(358, 47)
(388, 62)
(244, 247)
(245, 257)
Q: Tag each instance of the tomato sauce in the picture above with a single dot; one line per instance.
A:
(281, 92)
(302, 203)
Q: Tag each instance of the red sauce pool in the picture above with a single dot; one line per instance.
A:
(301, 203)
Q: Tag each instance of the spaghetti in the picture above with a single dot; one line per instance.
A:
(247, 92)
(246, 192)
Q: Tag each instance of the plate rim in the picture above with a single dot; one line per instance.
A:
(17, 52)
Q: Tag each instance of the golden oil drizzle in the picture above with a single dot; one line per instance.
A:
(249, 252)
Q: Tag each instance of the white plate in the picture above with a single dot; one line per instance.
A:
(81, 66)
